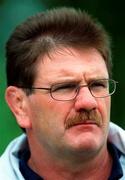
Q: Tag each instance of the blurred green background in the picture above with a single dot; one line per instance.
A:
(109, 12)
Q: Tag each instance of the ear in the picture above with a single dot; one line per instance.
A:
(18, 103)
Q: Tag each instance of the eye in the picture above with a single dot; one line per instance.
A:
(64, 87)
(102, 84)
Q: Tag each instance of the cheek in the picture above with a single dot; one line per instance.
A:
(48, 119)
(108, 105)
(104, 105)
(49, 113)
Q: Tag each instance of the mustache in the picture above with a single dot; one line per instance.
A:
(82, 117)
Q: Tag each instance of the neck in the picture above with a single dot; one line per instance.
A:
(95, 167)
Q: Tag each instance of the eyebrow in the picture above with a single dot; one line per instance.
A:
(65, 80)
(96, 78)
(78, 81)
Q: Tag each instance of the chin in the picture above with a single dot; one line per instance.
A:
(87, 142)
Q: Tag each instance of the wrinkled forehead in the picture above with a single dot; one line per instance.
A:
(69, 62)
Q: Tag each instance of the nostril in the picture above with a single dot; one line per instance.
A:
(86, 110)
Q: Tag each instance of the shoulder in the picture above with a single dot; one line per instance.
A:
(117, 136)
(122, 162)
(9, 161)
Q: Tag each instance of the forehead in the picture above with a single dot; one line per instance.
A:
(65, 63)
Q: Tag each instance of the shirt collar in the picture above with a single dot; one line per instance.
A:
(116, 171)
(26, 171)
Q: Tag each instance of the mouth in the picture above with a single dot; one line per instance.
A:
(84, 123)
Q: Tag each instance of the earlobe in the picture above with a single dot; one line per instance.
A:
(17, 102)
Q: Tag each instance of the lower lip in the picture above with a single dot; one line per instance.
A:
(85, 126)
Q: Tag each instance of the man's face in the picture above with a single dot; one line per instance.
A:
(53, 122)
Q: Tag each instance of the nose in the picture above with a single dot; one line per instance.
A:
(85, 100)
